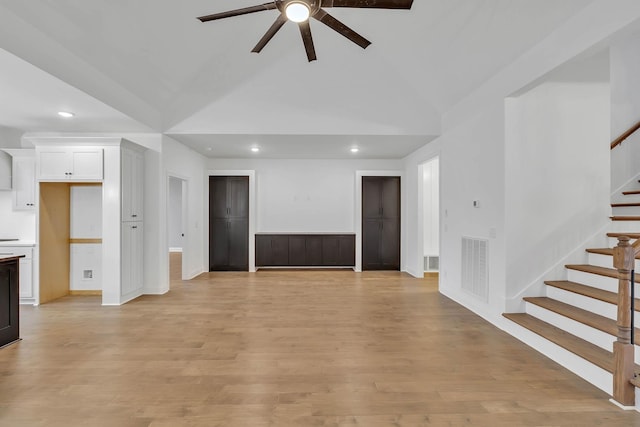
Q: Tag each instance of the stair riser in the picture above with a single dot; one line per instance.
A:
(606, 261)
(596, 306)
(578, 329)
(594, 280)
(625, 226)
(625, 211)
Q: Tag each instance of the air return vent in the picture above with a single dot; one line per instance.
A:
(475, 268)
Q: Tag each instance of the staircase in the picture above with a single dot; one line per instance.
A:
(579, 314)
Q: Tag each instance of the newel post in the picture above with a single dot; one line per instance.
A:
(624, 261)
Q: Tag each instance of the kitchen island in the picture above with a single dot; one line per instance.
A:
(9, 299)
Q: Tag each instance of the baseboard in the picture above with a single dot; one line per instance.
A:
(175, 250)
(86, 293)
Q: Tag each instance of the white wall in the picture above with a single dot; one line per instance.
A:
(625, 109)
(556, 179)
(175, 213)
(184, 163)
(431, 207)
(304, 195)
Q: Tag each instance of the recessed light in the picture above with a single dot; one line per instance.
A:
(255, 149)
(66, 114)
(209, 148)
(355, 149)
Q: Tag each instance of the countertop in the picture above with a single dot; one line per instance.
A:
(13, 243)
(5, 258)
(306, 233)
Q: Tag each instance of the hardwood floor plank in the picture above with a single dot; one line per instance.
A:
(284, 348)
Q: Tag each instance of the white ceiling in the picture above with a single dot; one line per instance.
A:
(129, 66)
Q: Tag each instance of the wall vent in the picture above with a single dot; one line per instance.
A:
(475, 267)
(431, 263)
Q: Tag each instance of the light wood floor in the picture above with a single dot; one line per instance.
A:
(296, 348)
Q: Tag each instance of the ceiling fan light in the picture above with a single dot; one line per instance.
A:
(297, 12)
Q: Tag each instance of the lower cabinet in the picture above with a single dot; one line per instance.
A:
(305, 250)
(9, 312)
(26, 270)
(132, 258)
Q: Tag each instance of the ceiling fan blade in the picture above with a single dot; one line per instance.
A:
(270, 33)
(237, 12)
(305, 30)
(338, 26)
(380, 4)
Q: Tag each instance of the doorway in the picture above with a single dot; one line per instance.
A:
(431, 215)
(176, 219)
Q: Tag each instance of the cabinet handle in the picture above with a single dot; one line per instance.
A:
(134, 216)
(135, 226)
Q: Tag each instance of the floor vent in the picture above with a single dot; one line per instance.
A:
(475, 267)
(431, 263)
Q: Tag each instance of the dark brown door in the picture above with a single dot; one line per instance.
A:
(228, 223)
(9, 317)
(380, 223)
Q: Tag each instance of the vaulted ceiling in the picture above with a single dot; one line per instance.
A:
(151, 66)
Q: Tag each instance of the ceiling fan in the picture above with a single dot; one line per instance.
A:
(299, 11)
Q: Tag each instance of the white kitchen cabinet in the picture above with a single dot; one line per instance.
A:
(70, 164)
(24, 183)
(132, 163)
(26, 270)
(5, 171)
(132, 258)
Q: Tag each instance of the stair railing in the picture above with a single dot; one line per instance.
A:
(624, 257)
(625, 135)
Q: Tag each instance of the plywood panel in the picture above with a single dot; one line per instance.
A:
(54, 240)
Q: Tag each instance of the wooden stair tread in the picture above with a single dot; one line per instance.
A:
(629, 235)
(601, 271)
(626, 193)
(588, 291)
(585, 317)
(624, 205)
(605, 251)
(590, 352)
(625, 218)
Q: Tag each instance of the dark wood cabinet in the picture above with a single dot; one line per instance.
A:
(228, 223)
(305, 250)
(272, 250)
(9, 310)
(380, 223)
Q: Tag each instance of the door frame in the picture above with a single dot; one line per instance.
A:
(185, 215)
(252, 211)
(358, 212)
(421, 214)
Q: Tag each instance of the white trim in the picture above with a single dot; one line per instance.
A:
(252, 210)
(175, 250)
(623, 407)
(358, 211)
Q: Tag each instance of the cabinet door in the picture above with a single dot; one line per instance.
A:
(263, 250)
(24, 180)
(86, 164)
(218, 244)
(347, 251)
(54, 164)
(279, 251)
(132, 184)
(313, 250)
(371, 232)
(238, 196)
(297, 251)
(390, 244)
(9, 317)
(390, 200)
(371, 197)
(238, 244)
(26, 281)
(218, 197)
(132, 258)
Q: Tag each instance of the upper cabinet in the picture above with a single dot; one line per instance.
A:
(70, 164)
(24, 182)
(23, 178)
(132, 163)
(5, 171)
